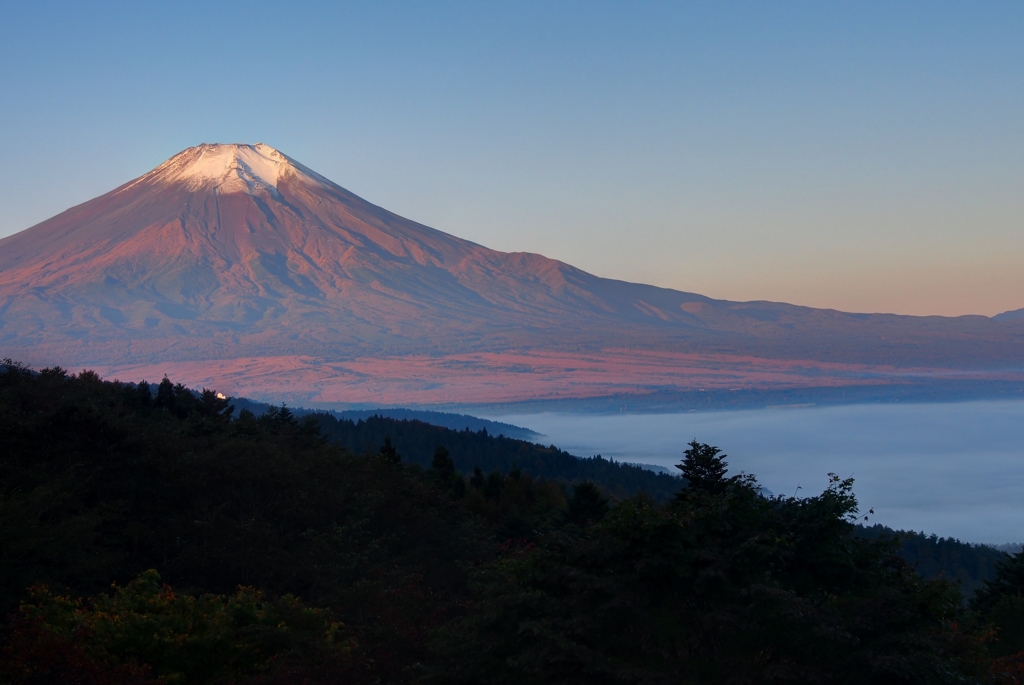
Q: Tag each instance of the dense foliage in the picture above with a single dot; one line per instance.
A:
(103, 481)
(254, 550)
(145, 631)
(1001, 602)
(965, 564)
(722, 586)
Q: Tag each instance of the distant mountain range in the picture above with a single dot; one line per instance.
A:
(1015, 315)
(236, 267)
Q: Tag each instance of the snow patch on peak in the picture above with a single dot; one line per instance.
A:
(230, 168)
(254, 165)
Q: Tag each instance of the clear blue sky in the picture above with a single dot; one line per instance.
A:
(863, 156)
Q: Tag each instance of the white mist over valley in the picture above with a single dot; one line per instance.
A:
(953, 469)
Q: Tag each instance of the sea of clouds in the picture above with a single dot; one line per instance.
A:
(955, 469)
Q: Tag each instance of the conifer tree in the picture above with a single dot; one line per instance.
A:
(165, 394)
(1000, 604)
(144, 393)
(213, 404)
(493, 486)
(704, 468)
(477, 479)
(442, 464)
(587, 505)
(388, 451)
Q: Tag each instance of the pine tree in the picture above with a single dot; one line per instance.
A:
(165, 394)
(442, 464)
(388, 451)
(214, 404)
(144, 393)
(1008, 582)
(587, 505)
(493, 486)
(477, 479)
(704, 466)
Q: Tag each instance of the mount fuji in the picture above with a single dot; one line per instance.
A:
(237, 267)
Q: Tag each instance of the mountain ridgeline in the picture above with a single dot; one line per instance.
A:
(435, 418)
(240, 266)
(417, 442)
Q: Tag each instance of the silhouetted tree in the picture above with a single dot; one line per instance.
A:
(144, 393)
(213, 405)
(587, 505)
(704, 466)
(442, 464)
(493, 486)
(89, 376)
(1000, 603)
(457, 485)
(477, 479)
(388, 451)
(165, 394)
(54, 372)
(1008, 582)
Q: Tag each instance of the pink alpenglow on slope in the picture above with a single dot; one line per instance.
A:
(237, 266)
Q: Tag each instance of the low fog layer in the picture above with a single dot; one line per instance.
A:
(950, 469)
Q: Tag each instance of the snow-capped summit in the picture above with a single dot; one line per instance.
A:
(230, 168)
(238, 252)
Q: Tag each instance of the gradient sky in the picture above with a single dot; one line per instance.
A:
(861, 156)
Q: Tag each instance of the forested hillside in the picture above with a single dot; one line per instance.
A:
(446, 419)
(969, 566)
(457, 422)
(255, 550)
(416, 442)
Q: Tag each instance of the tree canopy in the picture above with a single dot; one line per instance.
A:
(149, 535)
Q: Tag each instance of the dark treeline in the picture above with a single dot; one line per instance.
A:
(965, 564)
(968, 565)
(148, 535)
(416, 442)
(435, 418)
(104, 482)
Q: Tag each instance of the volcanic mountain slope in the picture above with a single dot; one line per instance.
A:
(241, 243)
(229, 252)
